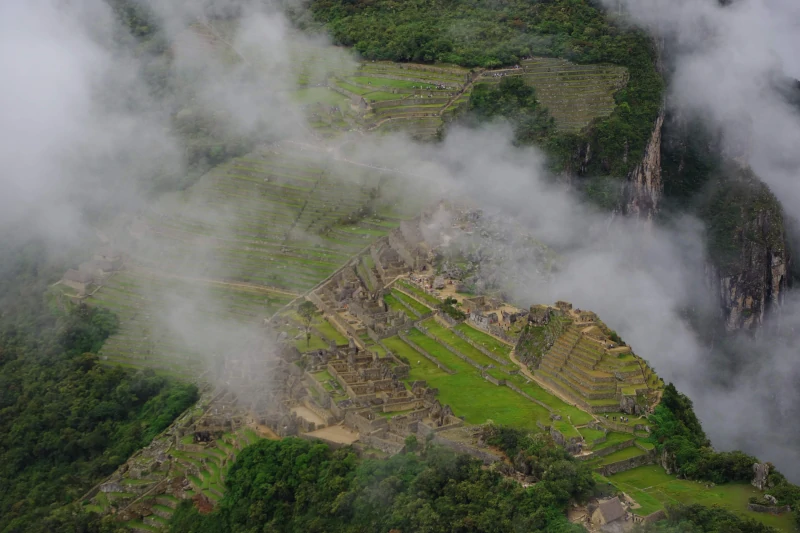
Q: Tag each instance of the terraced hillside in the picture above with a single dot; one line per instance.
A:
(574, 94)
(403, 96)
(586, 365)
(246, 239)
(147, 339)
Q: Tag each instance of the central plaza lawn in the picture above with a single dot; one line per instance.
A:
(471, 396)
(654, 482)
(411, 302)
(487, 341)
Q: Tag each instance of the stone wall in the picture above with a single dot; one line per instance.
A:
(362, 424)
(396, 242)
(492, 379)
(425, 354)
(651, 518)
(757, 508)
(447, 321)
(527, 396)
(319, 411)
(383, 445)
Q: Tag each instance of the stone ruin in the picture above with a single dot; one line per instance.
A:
(760, 476)
(105, 261)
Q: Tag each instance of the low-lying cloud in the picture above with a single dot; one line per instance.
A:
(81, 127)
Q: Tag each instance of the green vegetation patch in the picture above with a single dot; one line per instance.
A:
(487, 341)
(411, 302)
(653, 481)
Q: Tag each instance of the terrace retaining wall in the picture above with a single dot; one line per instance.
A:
(758, 508)
(447, 321)
(491, 379)
(412, 101)
(383, 445)
(651, 518)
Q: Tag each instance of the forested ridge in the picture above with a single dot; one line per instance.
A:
(66, 421)
(491, 34)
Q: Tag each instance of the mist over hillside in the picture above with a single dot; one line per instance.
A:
(90, 142)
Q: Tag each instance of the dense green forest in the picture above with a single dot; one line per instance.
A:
(491, 34)
(299, 486)
(66, 421)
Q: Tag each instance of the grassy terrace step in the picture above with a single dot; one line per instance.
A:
(419, 293)
(411, 302)
(576, 416)
(395, 305)
(621, 455)
(487, 341)
(459, 344)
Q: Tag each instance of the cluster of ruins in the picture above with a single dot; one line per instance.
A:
(105, 261)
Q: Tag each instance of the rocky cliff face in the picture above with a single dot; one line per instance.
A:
(748, 267)
(644, 186)
(750, 261)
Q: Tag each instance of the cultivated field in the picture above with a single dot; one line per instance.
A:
(574, 94)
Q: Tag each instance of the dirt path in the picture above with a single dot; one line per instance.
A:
(249, 286)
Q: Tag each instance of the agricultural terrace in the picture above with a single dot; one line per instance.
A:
(145, 338)
(212, 464)
(390, 96)
(575, 95)
(653, 489)
(284, 219)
